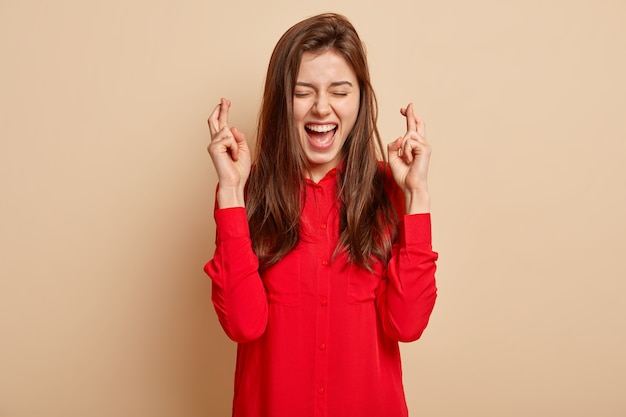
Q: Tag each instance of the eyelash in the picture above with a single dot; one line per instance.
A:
(302, 95)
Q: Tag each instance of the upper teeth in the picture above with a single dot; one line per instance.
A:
(321, 128)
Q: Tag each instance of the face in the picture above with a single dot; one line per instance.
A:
(325, 108)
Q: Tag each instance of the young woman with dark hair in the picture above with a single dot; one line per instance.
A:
(323, 258)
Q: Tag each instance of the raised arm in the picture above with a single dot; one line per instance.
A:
(238, 293)
(406, 295)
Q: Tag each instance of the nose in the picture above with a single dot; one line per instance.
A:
(322, 105)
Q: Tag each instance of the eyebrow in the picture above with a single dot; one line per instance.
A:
(335, 84)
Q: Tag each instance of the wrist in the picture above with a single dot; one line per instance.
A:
(228, 197)
(417, 201)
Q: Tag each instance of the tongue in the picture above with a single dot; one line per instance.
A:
(321, 139)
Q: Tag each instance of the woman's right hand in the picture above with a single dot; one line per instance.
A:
(231, 156)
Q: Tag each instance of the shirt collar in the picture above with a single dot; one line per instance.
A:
(331, 174)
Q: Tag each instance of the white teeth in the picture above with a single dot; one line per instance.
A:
(321, 128)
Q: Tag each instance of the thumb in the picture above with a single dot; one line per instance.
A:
(234, 149)
(396, 145)
(239, 137)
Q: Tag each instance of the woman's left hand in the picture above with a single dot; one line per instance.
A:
(409, 157)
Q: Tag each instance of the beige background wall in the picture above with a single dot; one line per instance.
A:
(106, 196)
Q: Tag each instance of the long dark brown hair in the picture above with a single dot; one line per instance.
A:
(274, 194)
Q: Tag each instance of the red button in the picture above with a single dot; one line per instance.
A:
(321, 390)
(323, 346)
(323, 226)
(324, 263)
(324, 303)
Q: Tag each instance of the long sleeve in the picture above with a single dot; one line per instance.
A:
(319, 334)
(238, 294)
(406, 295)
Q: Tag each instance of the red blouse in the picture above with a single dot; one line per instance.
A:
(319, 336)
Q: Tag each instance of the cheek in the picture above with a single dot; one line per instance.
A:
(299, 111)
(352, 106)
(350, 113)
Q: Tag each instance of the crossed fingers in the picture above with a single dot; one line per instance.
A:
(218, 120)
(414, 140)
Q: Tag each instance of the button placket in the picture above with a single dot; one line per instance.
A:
(323, 223)
(323, 293)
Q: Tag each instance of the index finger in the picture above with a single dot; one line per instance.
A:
(421, 127)
(213, 122)
(411, 119)
(223, 116)
(219, 117)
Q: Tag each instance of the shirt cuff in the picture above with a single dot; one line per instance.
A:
(231, 222)
(416, 229)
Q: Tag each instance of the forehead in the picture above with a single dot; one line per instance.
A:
(326, 66)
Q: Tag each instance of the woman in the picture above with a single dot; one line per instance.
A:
(323, 259)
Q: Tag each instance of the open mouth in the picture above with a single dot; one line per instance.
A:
(321, 136)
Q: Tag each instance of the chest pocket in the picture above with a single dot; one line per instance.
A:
(282, 280)
(362, 285)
